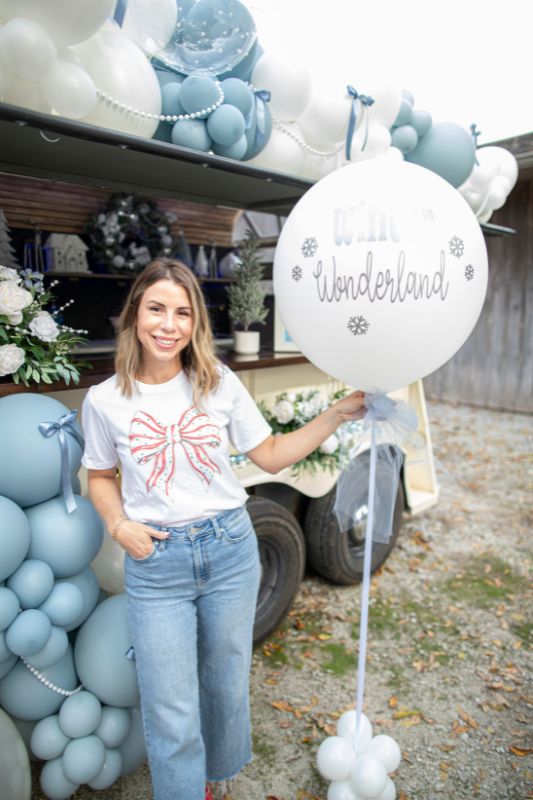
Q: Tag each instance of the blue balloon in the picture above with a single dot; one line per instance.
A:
(170, 96)
(80, 715)
(87, 583)
(405, 138)
(133, 749)
(64, 604)
(164, 77)
(32, 582)
(83, 759)
(7, 665)
(67, 542)
(163, 132)
(235, 151)
(409, 96)
(28, 633)
(23, 696)
(14, 535)
(404, 114)
(15, 776)
(245, 67)
(32, 473)
(210, 38)
(198, 93)
(25, 729)
(258, 133)
(109, 772)
(421, 121)
(237, 93)
(114, 726)
(5, 652)
(47, 740)
(54, 782)
(191, 133)
(226, 125)
(54, 649)
(448, 150)
(9, 606)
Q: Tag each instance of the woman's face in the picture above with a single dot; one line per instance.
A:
(164, 324)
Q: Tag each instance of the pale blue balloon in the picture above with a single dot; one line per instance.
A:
(54, 782)
(258, 133)
(235, 151)
(165, 77)
(14, 534)
(405, 138)
(110, 772)
(15, 776)
(114, 726)
(237, 93)
(83, 759)
(80, 715)
(198, 93)
(32, 582)
(87, 583)
(421, 121)
(64, 604)
(191, 133)
(448, 150)
(100, 654)
(23, 696)
(7, 665)
(54, 649)
(47, 740)
(170, 96)
(9, 606)
(25, 729)
(28, 633)
(163, 132)
(133, 749)
(5, 652)
(226, 125)
(32, 473)
(67, 542)
(409, 96)
(404, 114)
(244, 69)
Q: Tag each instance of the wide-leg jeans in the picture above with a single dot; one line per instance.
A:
(191, 609)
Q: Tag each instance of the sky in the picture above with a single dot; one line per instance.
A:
(465, 61)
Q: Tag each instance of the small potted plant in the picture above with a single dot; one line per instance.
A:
(247, 296)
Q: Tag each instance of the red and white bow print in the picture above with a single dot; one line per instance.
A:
(151, 441)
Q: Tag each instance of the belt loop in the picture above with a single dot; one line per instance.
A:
(216, 526)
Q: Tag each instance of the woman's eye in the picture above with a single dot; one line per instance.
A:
(155, 308)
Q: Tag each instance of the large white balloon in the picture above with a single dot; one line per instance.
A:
(67, 21)
(27, 94)
(380, 273)
(387, 101)
(150, 23)
(289, 83)
(325, 120)
(120, 69)
(69, 90)
(281, 153)
(27, 49)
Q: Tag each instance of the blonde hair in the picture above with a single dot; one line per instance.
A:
(198, 359)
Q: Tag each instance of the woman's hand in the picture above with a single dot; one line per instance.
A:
(136, 538)
(350, 408)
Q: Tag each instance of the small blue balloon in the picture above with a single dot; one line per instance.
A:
(28, 633)
(226, 125)
(54, 649)
(198, 93)
(80, 715)
(133, 749)
(163, 132)
(421, 121)
(23, 696)
(54, 782)
(237, 93)
(7, 665)
(404, 114)
(32, 582)
(9, 606)
(14, 535)
(405, 138)
(170, 96)
(258, 133)
(5, 652)
(83, 759)
(110, 772)
(235, 151)
(47, 739)
(244, 69)
(87, 583)
(448, 150)
(191, 133)
(64, 604)
(114, 726)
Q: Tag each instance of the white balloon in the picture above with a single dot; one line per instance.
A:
(67, 21)
(346, 729)
(384, 298)
(378, 141)
(500, 160)
(386, 750)
(389, 792)
(289, 83)
(27, 94)
(69, 90)
(150, 23)
(480, 177)
(109, 566)
(325, 120)
(6, 76)
(334, 758)
(485, 215)
(368, 776)
(281, 153)
(341, 790)
(120, 68)
(27, 48)
(496, 197)
(386, 105)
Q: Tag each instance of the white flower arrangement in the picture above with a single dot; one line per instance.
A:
(33, 347)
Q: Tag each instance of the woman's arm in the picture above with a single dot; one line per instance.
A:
(104, 492)
(283, 450)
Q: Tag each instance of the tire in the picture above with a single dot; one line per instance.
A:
(339, 556)
(282, 552)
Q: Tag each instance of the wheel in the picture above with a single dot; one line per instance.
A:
(339, 556)
(282, 551)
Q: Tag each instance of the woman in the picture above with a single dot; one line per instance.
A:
(168, 416)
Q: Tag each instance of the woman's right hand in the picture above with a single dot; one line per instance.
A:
(136, 538)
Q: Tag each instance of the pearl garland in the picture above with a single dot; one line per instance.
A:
(324, 153)
(49, 685)
(118, 106)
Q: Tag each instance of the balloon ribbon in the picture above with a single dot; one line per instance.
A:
(65, 424)
(366, 102)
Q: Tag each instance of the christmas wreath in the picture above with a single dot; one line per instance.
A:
(128, 233)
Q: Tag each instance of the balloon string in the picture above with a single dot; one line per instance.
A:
(365, 591)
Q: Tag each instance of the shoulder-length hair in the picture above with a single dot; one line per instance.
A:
(198, 359)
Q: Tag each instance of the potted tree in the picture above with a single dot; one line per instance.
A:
(246, 296)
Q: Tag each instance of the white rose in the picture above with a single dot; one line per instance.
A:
(283, 411)
(13, 299)
(44, 327)
(330, 445)
(8, 274)
(11, 358)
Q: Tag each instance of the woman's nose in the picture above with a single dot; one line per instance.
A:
(169, 322)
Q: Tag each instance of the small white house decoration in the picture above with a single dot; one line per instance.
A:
(66, 253)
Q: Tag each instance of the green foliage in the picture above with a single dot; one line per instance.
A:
(246, 295)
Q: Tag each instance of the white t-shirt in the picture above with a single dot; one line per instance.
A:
(174, 457)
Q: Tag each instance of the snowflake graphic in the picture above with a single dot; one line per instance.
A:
(358, 325)
(297, 273)
(457, 246)
(309, 247)
(469, 272)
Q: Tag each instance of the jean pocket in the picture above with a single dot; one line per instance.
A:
(149, 557)
(237, 527)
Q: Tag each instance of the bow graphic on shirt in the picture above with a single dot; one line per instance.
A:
(151, 441)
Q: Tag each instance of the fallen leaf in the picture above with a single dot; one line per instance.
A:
(520, 751)
(281, 705)
(393, 702)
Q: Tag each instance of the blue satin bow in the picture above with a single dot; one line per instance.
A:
(366, 101)
(62, 426)
(475, 133)
(120, 11)
(262, 97)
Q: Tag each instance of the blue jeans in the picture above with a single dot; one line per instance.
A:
(191, 609)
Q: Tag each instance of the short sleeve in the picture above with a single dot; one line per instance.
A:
(247, 426)
(100, 451)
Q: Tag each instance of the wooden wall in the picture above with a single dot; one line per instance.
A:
(494, 368)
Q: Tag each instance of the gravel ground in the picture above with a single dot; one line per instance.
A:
(448, 670)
